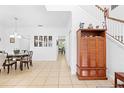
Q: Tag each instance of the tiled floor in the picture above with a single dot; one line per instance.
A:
(47, 75)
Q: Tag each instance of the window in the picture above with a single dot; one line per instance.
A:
(114, 6)
(35, 41)
(40, 41)
(43, 41)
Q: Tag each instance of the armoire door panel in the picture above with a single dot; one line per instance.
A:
(84, 73)
(101, 52)
(91, 54)
(84, 61)
(84, 52)
(101, 73)
(93, 73)
(78, 47)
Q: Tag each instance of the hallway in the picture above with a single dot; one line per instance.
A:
(47, 75)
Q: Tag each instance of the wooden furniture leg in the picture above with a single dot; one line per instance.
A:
(8, 69)
(31, 63)
(15, 66)
(115, 81)
(27, 65)
(119, 76)
(21, 68)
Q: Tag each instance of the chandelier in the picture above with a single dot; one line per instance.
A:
(15, 34)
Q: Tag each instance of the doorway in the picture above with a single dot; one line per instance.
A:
(61, 46)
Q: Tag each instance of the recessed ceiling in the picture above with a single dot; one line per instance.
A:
(32, 15)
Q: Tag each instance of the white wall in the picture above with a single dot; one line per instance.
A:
(67, 48)
(24, 43)
(46, 53)
(5, 42)
(2, 42)
(115, 57)
(67, 41)
(94, 12)
(117, 12)
(115, 50)
(40, 53)
(78, 15)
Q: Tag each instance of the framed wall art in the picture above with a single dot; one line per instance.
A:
(50, 41)
(42, 41)
(45, 41)
(35, 41)
(12, 40)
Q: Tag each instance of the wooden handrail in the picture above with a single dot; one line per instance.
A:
(112, 18)
(100, 8)
(115, 38)
(106, 16)
(115, 19)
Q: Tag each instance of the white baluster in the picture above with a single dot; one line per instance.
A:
(117, 30)
(108, 26)
(113, 33)
(107, 22)
(121, 32)
(114, 28)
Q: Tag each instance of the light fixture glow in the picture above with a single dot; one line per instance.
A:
(19, 36)
(12, 36)
(15, 34)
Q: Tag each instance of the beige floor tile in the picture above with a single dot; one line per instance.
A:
(10, 83)
(43, 74)
(38, 80)
(92, 85)
(50, 86)
(105, 82)
(40, 77)
(65, 82)
(65, 86)
(80, 86)
(20, 86)
(76, 81)
(54, 74)
(34, 86)
(53, 81)
(23, 83)
(7, 86)
(52, 78)
(64, 75)
(91, 82)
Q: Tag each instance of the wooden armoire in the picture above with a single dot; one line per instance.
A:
(91, 54)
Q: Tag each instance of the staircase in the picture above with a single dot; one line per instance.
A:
(114, 26)
(115, 42)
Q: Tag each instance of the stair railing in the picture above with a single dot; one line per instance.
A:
(114, 26)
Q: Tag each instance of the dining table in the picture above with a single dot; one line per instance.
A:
(17, 57)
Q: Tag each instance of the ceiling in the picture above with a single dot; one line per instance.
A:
(92, 10)
(32, 15)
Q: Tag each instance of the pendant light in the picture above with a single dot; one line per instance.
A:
(15, 34)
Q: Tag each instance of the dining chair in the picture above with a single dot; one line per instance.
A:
(2, 59)
(9, 62)
(24, 60)
(30, 57)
